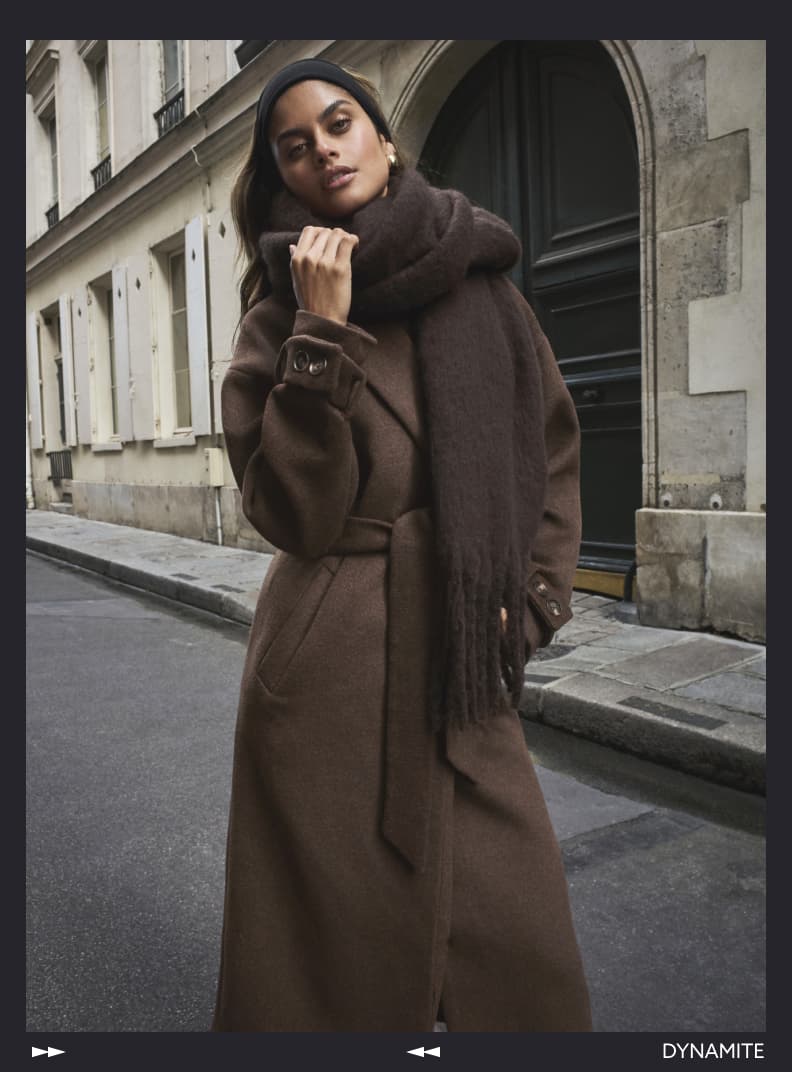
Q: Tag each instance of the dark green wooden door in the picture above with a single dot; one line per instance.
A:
(541, 134)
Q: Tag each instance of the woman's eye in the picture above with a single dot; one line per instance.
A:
(341, 123)
(296, 150)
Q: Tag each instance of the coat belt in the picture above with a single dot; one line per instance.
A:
(411, 747)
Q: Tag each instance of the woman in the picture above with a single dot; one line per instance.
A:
(399, 431)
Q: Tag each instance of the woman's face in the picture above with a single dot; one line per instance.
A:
(328, 152)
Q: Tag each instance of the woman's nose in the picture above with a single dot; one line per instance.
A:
(323, 150)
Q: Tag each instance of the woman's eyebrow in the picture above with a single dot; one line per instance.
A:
(324, 114)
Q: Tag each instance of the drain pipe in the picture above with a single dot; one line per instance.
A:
(218, 517)
(29, 500)
(213, 467)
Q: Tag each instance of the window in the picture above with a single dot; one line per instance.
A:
(181, 361)
(102, 125)
(106, 313)
(171, 69)
(172, 111)
(112, 364)
(53, 144)
(97, 120)
(52, 138)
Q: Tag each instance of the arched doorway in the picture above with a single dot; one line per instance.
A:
(541, 133)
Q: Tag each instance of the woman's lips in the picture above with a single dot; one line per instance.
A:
(342, 179)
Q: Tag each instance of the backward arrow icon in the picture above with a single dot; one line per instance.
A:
(421, 1052)
(50, 1051)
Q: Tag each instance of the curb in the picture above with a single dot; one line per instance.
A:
(651, 737)
(224, 605)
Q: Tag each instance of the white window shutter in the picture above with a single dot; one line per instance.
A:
(64, 310)
(34, 380)
(197, 327)
(121, 344)
(140, 354)
(82, 374)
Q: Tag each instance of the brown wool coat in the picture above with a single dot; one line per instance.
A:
(375, 870)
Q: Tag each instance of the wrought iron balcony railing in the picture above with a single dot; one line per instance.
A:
(52, 215)
(102, 172)
(171, 113)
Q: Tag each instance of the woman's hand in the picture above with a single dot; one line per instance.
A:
(321, 271)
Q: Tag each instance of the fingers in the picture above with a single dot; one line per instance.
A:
(339, 247)
(323, 246)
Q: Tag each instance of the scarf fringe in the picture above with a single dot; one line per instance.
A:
(476, 661)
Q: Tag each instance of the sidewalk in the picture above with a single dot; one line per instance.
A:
(693, 701)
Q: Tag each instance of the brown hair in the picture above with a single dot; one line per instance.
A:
(256, 183)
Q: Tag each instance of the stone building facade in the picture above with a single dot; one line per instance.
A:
(132, 302)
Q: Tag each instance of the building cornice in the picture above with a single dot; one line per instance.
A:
(41, 64)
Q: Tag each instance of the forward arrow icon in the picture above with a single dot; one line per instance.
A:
(50, 1051)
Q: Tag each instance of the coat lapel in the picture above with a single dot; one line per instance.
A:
(394, 377)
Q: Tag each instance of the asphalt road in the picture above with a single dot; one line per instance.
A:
(131, 702)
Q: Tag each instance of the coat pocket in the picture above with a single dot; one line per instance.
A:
(292, 633)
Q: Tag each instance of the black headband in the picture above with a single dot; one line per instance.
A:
(324, 71)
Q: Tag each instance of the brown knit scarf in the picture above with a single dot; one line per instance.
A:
(432, 257)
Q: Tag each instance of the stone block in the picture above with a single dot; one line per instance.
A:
(151, 507)
(672, 349)
(702, 182)
(735, 690)
(637, 638)
(79, 498)
(702, 434)
(693, 262)
(677, 664)
(185, 505)
(98, 502)
(736, 591)
(670, 568)
(122, 504)
(676, 532)
(674, 76)
(758, 667)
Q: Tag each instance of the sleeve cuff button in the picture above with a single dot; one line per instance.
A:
(317, 366)
(300, 361)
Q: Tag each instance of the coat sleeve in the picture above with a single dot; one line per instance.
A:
(556, 548)
(285, 412)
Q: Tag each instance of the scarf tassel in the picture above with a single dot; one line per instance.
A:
(475, 658)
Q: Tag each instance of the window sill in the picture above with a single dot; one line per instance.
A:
(175, 441)
(100, 448)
